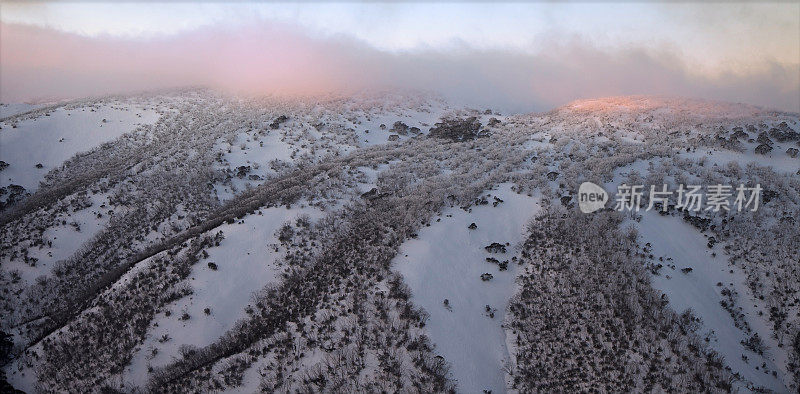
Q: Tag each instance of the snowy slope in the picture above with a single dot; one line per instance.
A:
(244, 262)
(673, 241)
(321, 157)
(11, 109)
(257, 154)
(369, 130)
(699, 290)
(66, 238)
(50, 140)
(777, 159)
(446, 262)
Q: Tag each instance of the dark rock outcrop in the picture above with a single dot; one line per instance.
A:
(399, 128)
(458, 129)
(278, 121)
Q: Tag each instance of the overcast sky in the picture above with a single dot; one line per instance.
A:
(517, 56)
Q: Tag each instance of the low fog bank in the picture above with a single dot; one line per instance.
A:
(38, 63)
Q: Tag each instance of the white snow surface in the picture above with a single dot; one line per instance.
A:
(698, 290)
(51, 140)
(777, 159)
(369, 131)
(446, 262)
(257, 155)
(246, 261)
(66, 240)
(12, 109)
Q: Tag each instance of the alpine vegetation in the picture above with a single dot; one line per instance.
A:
(193, 240)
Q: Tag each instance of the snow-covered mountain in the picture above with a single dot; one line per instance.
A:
(389, 241)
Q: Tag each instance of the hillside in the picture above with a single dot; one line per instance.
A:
(391, 241)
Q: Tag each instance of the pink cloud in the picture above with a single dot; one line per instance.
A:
(261, 59)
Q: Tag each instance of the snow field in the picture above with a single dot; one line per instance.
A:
(446, 262)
